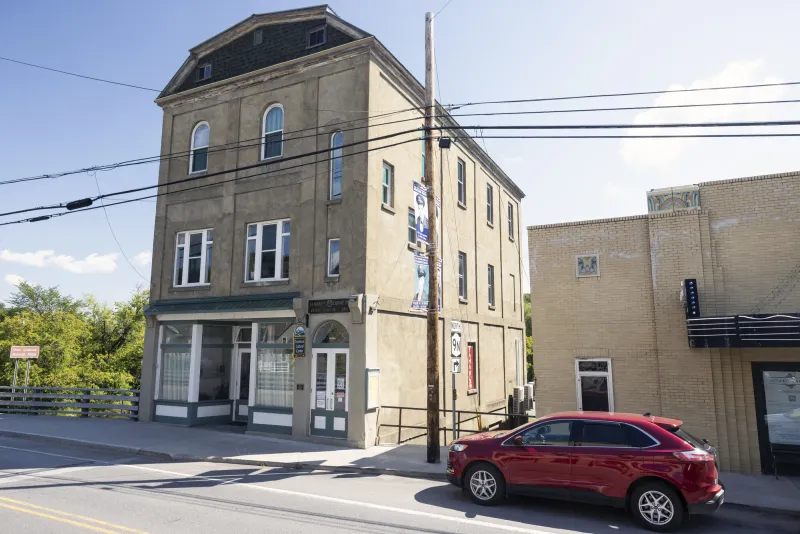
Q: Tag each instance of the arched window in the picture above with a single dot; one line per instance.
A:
(198, 154)
(272, 140)
(336, 166)
(331, 332)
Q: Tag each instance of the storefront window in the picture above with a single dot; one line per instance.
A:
(175, 374)
(176, 346)
(782, 395)
(275, 377)
(276, 332)
(331, 332)
(215, 359)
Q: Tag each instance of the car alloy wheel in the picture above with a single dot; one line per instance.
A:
(483, 485)
(656, 508)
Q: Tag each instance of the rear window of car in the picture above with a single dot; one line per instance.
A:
(597, 434)
(695, 442)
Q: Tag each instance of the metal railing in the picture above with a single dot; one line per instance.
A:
(76, 402)
(507, 420)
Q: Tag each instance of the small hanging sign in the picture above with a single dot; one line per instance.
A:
(299, 341)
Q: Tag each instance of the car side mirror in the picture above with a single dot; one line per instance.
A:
(518, 440)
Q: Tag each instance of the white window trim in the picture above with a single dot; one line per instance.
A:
(462, 275)
(514, 291)
(411, 211)
(202, 68)
(279, 234)
(511, 221)
(461, 181)
(265, 133)
(341, 158)
(310, 32)
(490, 283)
(204, 244)
(192, 148)
(607, 375)
(328, 260)
(390, 185)
(490, 204)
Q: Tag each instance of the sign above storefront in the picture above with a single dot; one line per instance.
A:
(329, 306)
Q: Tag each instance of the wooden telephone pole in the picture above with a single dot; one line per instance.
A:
(433, 252)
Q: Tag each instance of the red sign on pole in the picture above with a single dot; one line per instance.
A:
(471, 368)
(25, 353)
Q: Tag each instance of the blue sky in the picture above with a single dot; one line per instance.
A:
(485, 51)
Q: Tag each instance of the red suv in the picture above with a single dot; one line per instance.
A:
(646, 464)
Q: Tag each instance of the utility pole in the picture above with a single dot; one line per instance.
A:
(433, 252)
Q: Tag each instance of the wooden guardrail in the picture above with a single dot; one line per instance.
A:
(76, 402)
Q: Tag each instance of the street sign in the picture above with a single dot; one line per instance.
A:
(456, 365)
(455, 339)
(299, 341)
(24, 353)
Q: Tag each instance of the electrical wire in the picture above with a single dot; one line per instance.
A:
(212, 174)
(443, 8)
(247, 143)
(665, 136)
(81, 75)
(739, 124)
(113, 234)
(213, 184)
(611, 95)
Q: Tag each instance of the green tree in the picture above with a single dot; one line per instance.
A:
(526, 302)
(40, 300)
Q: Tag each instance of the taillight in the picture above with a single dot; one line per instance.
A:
(695, 455)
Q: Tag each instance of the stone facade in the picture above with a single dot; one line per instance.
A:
(740, 241)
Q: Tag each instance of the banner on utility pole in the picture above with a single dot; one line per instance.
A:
(419, 302)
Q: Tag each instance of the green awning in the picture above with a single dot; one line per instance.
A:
(223, 304)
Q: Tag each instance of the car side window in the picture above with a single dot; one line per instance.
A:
(638, 439)
(596, 434)
(555, 433)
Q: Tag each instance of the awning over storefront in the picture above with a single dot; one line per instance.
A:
(249, 303)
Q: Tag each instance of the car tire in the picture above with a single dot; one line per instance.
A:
(485, 484)
(657, 507)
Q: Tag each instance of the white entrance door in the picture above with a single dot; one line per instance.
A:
(240, 392)
(330, 369)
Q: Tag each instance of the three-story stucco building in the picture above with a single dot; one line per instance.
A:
(284, 216)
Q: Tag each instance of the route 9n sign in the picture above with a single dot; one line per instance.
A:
(455, 339)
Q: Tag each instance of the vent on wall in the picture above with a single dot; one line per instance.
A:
(258, 37)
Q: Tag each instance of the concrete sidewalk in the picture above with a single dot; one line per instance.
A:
(757, 492)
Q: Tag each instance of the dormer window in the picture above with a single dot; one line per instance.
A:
(204, 72)
(258, 37)
(317, 37)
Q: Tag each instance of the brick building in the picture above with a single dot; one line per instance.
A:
(611, 330)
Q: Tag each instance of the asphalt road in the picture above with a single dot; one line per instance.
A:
(47, 488)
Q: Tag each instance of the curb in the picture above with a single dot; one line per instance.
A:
(298, 466)
(761, 509)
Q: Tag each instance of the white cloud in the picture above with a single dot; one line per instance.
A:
(13, 279)
(661, 152)
(143, 258)
(93, 263)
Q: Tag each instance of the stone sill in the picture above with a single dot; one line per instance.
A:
(387, 208)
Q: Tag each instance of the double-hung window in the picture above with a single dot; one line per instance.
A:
(336, 166)
(489, 204)
(387, 187)
(267, 251)
(491, 285)
(511, 221)
(462, 183)
(198, 152)
(412, 227)
(193, 258)
(333, 257)
(272, 133)
(462, 275)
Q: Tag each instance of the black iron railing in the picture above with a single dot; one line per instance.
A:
(76, 402)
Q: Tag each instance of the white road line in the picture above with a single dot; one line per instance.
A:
(19, 477)
(337, 500)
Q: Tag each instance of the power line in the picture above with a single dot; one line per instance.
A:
(205, 176)
(740, 124)
(216, 148)
(81, 75)
(443, 8)
(665, 136)
(213, 184)
(113, 234)
(246, 143)
(609, 95)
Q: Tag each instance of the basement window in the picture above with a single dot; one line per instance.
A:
(317, 37)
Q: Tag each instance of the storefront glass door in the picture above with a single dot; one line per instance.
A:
(777, 391)
(241, 384)
(329, 369)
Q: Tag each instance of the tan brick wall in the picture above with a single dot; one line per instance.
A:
(740, 245)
